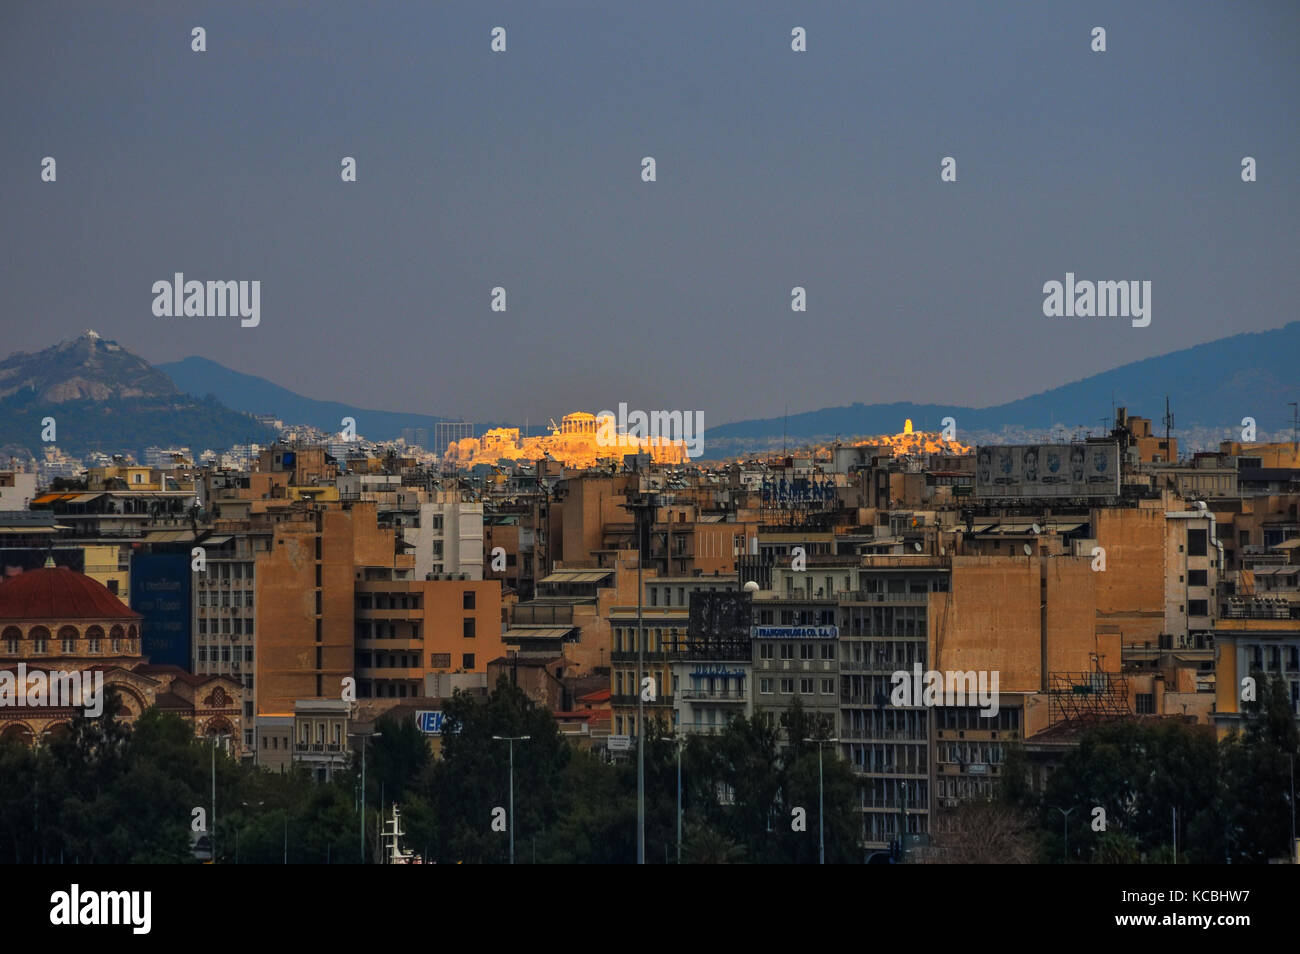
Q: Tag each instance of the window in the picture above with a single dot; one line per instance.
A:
(787, 686)
(467, 600)
(469, 627)
(1196, 542)
(828, 650)
(765, 686)
(1198, 578)
(807, 651)
(467, 661)
(787, 650)
(764, 650)
(828, 687)
(1146, 703)
(805, 687)
(1198, 608)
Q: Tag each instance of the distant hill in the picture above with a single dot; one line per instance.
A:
(255, 395)
(1210, 385)
(104, 398)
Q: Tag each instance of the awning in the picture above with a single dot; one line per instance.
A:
(578, 576)
(550, 633)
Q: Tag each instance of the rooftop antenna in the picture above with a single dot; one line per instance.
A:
(1169, 424)
(1295, 423)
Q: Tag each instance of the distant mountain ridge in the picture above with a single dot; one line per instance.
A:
(1216, 384)
(254, 395)
(102, 397)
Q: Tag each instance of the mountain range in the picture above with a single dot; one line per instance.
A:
(103, 397)
(91, 394)
(254, 395)
(1212, 385)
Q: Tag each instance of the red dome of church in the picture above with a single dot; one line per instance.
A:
(57, 593)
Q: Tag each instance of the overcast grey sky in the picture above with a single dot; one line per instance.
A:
(775, 169)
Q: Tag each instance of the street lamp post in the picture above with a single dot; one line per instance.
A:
(680, 744)
(821, 827)
(1291, 760)
(643, 507)
(512, 739)
(212, 826)
(1065, 822)
(246, 805)
(364, 736)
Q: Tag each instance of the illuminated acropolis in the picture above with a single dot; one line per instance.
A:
(573, 443)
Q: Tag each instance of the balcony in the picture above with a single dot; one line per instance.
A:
(861, 596)
(703, 695)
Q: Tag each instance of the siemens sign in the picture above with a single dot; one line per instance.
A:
(796, 632)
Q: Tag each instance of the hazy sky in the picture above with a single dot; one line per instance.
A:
(522, 169)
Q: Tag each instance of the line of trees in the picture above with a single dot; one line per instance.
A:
(1119, 796)
(108, 793)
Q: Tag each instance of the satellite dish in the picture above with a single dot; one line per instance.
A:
(1028, 549)
(751, 587)
(917, 546)
(1037, 529)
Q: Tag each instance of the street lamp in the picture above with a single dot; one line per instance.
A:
(1291, 761)
(512, 739)
(681, 742)
(362, 827)
(821, 827)
(644, 507)
(246, 805)
(1065, 822)
(212, 826)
